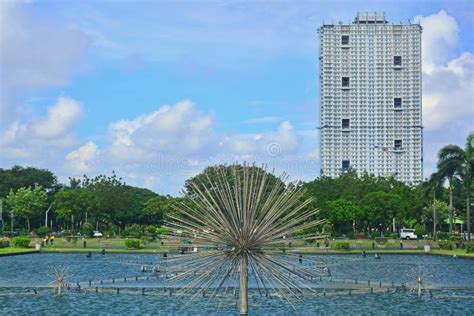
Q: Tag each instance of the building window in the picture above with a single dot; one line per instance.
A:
(345, 123)
(345, 81)
(397, 103)
(397, 144)
(345, 39)
(345, 165)
(397, 60)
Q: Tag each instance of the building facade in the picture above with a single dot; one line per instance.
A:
(370, 98)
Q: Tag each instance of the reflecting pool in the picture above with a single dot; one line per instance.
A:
(451, 281)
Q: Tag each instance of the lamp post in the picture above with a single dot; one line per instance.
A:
(11, 222)
(46, 215)
(1, 215)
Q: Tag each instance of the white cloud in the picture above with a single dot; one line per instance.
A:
(178, 129)
(448, 83)
(60, 119)
(33, 55)
(175, 142)
(448, 87)
(80, 160)
(282, 142)
(181, 130)
(42, 136)
(449, 93)
(440, 36)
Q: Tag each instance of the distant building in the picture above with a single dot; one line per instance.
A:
(370, 85)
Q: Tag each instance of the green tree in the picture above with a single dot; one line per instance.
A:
(156, 208)
(351, 187)
(342, 213)
(447, 173)
(458, 162)
(27, 202)
(441, 211)
(380, 208)
(109, 200)
(70, 205)
(23, 177)
(202, 180)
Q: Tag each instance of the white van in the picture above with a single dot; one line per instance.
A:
(406, 233)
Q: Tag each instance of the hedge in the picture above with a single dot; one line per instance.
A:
(21, 242)
(132, 243)
(470, 247)
(4, 243)
(445, 245)
(342, 245)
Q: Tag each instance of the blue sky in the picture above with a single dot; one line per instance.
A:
(157, 90)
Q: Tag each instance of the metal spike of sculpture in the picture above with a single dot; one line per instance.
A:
(59, 283)
(249, 215)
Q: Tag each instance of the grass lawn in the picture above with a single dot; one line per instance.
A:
(115, 245)
(109, 250)
(8, 250)
(459, 252)
(101, 243)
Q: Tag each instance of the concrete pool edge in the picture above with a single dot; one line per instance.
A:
(120, 251)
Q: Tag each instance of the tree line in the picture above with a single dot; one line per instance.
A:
(352, 204)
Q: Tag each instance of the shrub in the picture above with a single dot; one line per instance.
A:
(350, 235)
(445, 245)
(132, 243)
(162, 231)
(470, 247)
(150, 230)
(43, 230)
(342, 245)
(135, 231)
(393, 236)
(21, 242)
(419, 231)
(381, 240)
(300, 232)
(24, 232)
(455, 238)
(327, 228)
(442, 235)
(360, 235)
(87, 230)
(4, 243)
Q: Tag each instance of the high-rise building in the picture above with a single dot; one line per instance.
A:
(370, 102)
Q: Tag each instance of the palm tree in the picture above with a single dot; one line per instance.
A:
(435, 185)
(459, 163)
(441, 177)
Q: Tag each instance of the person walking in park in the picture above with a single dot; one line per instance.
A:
(326, 244)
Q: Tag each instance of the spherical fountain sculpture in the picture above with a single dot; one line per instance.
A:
(251, 219)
